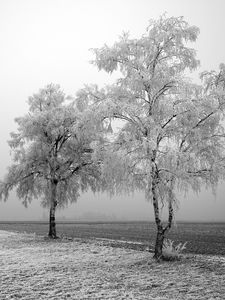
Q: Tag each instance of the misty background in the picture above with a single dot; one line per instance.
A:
(49, 41)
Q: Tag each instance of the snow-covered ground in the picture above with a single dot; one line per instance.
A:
(34, 267)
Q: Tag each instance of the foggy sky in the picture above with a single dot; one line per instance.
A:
(48, 41)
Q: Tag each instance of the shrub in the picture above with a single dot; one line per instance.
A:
(172, 252)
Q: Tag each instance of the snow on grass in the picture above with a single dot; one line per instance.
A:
(34, 267)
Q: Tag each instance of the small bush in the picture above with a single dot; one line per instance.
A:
(172, 252)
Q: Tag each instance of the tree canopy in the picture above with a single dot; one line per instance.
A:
(173, 135)
(53, 147)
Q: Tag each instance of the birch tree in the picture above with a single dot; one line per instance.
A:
(172, 137)
(53, 153)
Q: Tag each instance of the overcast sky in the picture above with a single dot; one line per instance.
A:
(48, 41)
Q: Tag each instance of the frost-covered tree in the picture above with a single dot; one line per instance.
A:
(53, 152)
(172, 137)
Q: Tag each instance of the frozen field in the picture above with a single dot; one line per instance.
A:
(34, 267)
(201, 238)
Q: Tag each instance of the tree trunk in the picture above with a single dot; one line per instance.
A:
(52, 225)
(160, 232)
(158, 255)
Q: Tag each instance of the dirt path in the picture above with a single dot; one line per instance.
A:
(32, 267)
